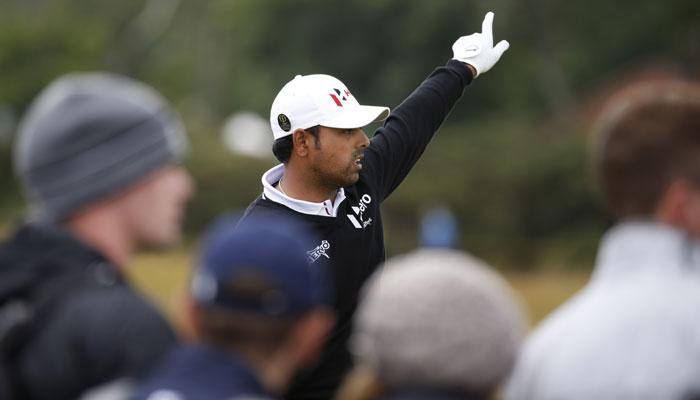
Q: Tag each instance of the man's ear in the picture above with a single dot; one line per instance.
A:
(191, 320)
(302, 141)
(679, 206)
(691, 209)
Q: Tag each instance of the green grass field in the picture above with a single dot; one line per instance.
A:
(164, 277)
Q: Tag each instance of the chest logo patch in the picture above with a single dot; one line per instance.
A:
(319, 251)
(356, 218)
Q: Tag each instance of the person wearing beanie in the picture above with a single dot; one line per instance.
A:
(434, 324)
(333, 178)
(633, 332)
(257, 316)
(98, 156)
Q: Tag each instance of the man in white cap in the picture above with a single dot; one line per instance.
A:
(333, 178)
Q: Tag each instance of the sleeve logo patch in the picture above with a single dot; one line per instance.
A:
(319, 251)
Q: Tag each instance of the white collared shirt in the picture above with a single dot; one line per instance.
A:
(326, 208)
(632, 333)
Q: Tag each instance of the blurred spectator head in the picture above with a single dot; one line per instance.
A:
(255, 293)
(647, 153)
(438, 320)
(92, 138)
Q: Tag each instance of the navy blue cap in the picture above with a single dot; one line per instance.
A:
(259, 266)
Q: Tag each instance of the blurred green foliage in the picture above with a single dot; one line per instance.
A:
(510, 161)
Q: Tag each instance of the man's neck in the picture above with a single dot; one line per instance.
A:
(273, 371)
(105, 233)
(297, 184)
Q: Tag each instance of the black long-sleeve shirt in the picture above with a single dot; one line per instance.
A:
(351, 244)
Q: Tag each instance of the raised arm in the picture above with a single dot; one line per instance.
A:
(398, 144)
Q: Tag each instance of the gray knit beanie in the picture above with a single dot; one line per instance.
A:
(438, 319)
(87, 137)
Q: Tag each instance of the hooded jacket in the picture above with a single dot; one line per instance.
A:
(95, 329)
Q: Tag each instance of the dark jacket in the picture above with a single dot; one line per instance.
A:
(352, 243)
(432, 394)
(202, 373)
(98, 331)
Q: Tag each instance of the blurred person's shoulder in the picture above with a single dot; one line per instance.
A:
(422, 394)
(119, 334)
(609, 333)
(194, 372)
(77, 299)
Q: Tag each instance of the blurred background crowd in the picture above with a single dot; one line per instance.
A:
(510, 162)
(508, 179)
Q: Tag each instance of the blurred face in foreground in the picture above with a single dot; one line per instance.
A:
(153, 209)
(336, 157)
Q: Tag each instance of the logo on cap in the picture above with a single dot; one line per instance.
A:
(338, 96)
(284, 123)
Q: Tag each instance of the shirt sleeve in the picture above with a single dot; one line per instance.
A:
(398, 144)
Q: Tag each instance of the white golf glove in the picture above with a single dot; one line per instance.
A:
(478, 50)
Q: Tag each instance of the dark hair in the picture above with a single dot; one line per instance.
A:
(648, 139)
(238, 330)
(282, 147)
(227, 329)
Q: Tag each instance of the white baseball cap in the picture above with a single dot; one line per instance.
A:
(311, 100)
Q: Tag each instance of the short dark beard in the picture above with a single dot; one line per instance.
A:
(325, 180)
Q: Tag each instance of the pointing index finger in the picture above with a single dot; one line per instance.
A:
(487, 28)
